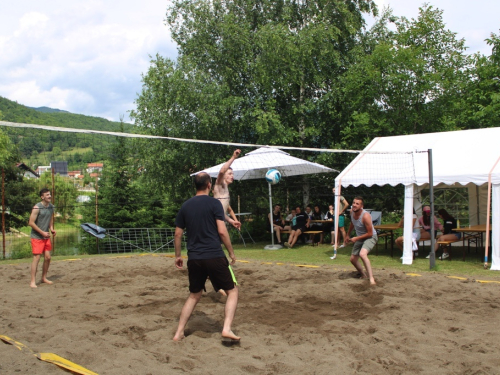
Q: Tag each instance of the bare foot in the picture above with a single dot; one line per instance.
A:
(33, 285)
(221, 291)
(178, 337)
(372, 281)
(230, 335)
(363, 275)
(47, 281)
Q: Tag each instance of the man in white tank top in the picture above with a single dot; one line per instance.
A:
(366, 238)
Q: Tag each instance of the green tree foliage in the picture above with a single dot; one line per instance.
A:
(124, 199)
(481, 105)
(406, 81)
(19, 192)
(7, 150)
(262, 72)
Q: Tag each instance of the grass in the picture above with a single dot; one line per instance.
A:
(320, 255)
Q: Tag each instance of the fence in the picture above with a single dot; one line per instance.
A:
(124, 240)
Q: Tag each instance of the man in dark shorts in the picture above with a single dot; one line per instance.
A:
(203, 218)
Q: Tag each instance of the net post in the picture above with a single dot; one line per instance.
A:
(432, 258)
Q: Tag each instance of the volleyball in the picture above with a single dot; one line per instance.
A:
(273, 176)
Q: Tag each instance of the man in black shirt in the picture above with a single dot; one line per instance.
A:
(203, 218)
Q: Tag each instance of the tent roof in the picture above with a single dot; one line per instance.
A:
(465, 156)
(256, 163)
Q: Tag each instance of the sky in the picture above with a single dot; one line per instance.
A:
(88, 57)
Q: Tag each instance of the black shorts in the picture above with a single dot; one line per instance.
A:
(217, 269)
(302, 228)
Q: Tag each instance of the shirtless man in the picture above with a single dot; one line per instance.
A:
(221, 188)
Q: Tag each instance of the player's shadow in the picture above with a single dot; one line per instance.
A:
(55, 277)
(202, 325)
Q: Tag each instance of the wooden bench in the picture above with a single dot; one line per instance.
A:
(470, 238)
(306, 232)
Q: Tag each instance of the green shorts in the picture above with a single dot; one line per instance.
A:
(341, 221)
(367, 244)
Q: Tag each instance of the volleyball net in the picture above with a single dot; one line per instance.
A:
(121, 180)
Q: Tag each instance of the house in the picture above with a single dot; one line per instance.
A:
(94, 167)
(28, 172)
(43, 169)
(75, 174)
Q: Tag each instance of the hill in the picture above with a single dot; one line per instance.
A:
(15, 112)
(48, 110)
(39, 147)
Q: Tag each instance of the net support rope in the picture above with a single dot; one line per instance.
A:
(145, 136)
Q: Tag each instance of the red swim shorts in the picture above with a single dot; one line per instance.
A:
(39, 246)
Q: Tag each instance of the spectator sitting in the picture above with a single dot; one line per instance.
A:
(425, 223)
(416, 234)
(330, 227)
(317, 215)
(310, 216)
(277, 222)
(448, 233)
(290, 217)
(302, 222)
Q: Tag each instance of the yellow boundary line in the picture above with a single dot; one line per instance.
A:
(49, 357)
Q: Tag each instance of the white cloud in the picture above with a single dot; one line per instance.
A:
(85, 57)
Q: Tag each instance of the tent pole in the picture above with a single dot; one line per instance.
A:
(432, 258)
(271, 214)
(272, 246)
(3, 211)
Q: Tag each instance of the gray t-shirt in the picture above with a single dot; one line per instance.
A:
(42, 220)
(359, 227)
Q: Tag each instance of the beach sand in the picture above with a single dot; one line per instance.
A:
(118, 316)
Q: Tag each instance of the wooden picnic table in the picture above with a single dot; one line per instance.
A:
(388, 229)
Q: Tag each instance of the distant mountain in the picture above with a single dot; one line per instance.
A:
(15, 112)
(47, 109)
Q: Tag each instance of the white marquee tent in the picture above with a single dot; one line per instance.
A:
(467, 158)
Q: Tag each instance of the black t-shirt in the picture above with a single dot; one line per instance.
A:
(448, 225)
(199, 216)
(277, 218)
(301, 219)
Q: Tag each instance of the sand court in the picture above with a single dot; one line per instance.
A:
(118, 316)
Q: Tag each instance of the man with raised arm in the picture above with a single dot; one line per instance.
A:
(42, 226)
(221, 188)
(203, 219)
(366, 238)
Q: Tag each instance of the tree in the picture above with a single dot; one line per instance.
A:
(19, 192)
(407, 81)
(7, 150)
(248, 71)
(481, 105)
